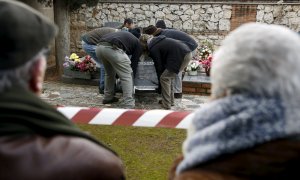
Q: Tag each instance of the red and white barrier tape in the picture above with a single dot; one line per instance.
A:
(129, 117)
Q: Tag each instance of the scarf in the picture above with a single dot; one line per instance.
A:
(234, 123)
(23, 113)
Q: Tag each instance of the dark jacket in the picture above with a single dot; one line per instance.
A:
(181, 36)
(93, 37)
(128, 43)
(277, 159)
(38, 142)
(136, 32)
(35, 157)
(167, 53)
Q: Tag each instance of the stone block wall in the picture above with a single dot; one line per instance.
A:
(203, 20)
(287, 15)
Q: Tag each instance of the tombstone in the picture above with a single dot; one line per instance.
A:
(146, 77)
(113, 24)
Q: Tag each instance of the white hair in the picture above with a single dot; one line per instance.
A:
(19, 76)
(260, 59)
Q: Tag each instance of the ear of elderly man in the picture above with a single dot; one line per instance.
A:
(36, 141)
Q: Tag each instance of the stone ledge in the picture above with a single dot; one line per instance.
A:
(197, 85)
(194, 85)
(71, 80)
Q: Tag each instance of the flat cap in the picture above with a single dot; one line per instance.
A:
(23, 33)
(152, 30)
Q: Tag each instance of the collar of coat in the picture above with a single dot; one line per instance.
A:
(236, 123)
(155, 40)
(23, 113)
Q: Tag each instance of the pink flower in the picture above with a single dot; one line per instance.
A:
(86, 65)
(206, 63)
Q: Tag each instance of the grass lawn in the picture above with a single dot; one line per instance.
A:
(146, 152)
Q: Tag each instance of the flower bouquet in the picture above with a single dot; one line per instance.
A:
(205, 54)
(79, 67)
(193, 67)
(205, 49)
(206, 64)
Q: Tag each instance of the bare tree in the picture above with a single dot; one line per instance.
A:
(62, 41)
(61, 10)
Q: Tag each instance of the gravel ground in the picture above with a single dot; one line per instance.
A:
(57, 93)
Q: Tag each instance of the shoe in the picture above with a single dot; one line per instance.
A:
(127, 103)
(101, 91)
(160, 102)
(128, 106)
(114, 99)
(177, 95)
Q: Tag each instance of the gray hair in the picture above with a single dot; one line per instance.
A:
(260, 59)
(19, 76)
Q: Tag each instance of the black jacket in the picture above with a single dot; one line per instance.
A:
(128, 43)
(181, 36)
(136, 32)
(167, 53)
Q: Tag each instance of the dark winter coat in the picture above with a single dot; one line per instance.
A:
(167, 54)
(38, 142)
(136, 32)
(128, 43)
(277, 159)
(181, 36)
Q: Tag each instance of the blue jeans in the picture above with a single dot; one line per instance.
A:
(90, 50)
(177, 83)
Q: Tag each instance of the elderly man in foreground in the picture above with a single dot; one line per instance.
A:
(36, 141)
(250, 130)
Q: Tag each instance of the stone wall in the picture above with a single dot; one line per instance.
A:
(210, 22)
(284, 15)
(201, 21)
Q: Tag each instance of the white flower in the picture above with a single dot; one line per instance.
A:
(193, 66)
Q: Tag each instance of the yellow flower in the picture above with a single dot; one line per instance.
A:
(77, 60)
(74, 56)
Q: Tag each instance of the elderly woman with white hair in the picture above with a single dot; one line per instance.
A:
(250, 128)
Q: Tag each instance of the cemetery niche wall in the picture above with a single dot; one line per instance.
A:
(204, 20)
